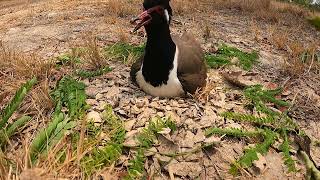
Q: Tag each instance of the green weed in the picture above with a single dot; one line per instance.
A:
(251, 154)
(104, 154)
(16, 101)
(124, 52)
(285, 148)
(6, 133)
(259, 97)
(69, 93)
(146, 139)
(90, 74)
(226, 53)
(315, 21)
(232, 132)
(71, 58)
(246, 60)
(216, 61)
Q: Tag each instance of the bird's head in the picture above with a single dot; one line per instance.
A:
(155, 12)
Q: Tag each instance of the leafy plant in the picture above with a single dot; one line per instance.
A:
(249, 118)
(148, 135)
(5, 134)
(89, 74)
(259, 97)
(71, 58)
(71, 93)
(123, 51)
(251, 154)
(232, 132)
(146, 139)
(136, 166)
(285, 148)
(105, 154)
(217, 60)
(315, 21)
(16, 101)
(43, 138)
(225, 53)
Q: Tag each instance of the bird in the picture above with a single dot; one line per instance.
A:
(172, 65)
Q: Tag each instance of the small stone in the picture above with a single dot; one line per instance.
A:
(113, 91)
(99, 96)
(180, 101)
(94, 116)
(199, 137)
(160, 114)
(128, 125)
(92, 92)
(165, 131)
(86, 82)
(188, 140)
(91, 102)
(101, 106)
(168, 108)
(212, 139)
(130, 142)
(191, 169)
(163, 159)
(174, 117)
(260, 164)
(135, 110)
(140, 103)
(151, 152)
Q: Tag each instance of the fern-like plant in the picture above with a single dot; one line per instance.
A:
(246, 60)
(234, 132)
(148, 135)
(71, 93)
(285, 148)
(251, 154)
(249, 118)
(16, 101)
(259, 97)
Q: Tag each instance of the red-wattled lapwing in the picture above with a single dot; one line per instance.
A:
(171, 66)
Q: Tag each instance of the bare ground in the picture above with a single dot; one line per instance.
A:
(49, 28)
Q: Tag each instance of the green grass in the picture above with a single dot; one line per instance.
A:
(225, 54)
(315, 21)
(123, 52)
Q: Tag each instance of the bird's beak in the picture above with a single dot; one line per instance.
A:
(143, 19)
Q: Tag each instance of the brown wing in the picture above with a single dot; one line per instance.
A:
(192, 70)
(135, 68)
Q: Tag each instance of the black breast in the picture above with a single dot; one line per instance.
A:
(157, 64)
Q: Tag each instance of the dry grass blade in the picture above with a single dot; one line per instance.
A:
(93, 57)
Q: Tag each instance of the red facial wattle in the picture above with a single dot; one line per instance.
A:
(145, 17)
